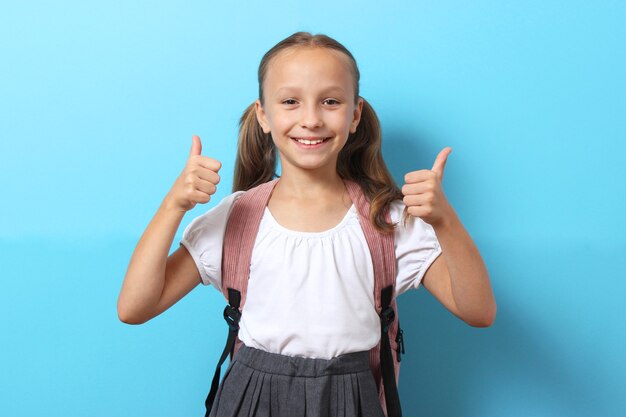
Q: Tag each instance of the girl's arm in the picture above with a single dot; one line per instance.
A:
(458, 278)
(154, 281)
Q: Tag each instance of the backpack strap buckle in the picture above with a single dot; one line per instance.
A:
(232, 316)
(387, 316)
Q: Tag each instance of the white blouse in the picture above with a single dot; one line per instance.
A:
(311, 294)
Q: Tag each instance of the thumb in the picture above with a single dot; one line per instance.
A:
(196, 147)
(440, 161)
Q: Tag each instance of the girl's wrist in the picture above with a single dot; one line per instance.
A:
(446, 223)
(170, 206)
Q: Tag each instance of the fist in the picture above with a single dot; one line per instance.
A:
(423, 191)
(198, 181)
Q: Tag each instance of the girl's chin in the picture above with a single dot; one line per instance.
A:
(306, 164)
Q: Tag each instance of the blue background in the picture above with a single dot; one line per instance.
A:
(98, 103)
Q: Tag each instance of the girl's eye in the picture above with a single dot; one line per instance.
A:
(331, 102)
(289, 101)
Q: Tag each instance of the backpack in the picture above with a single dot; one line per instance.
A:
(241, 230)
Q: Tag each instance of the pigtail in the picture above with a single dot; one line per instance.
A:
(361, 161)
(256, 153)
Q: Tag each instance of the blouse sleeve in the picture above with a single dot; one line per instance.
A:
(204, 237)
(416, 246)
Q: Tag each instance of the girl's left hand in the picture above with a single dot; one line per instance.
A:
(423, 192)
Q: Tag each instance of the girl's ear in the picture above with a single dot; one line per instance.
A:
(261, 117)
(357, 115)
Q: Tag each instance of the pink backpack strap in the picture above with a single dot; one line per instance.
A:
(241, 230)
(381, 245)
(382, 250)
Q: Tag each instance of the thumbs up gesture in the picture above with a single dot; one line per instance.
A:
(423, 192)
(197, 183)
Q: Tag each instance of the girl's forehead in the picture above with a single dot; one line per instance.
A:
(306, 65)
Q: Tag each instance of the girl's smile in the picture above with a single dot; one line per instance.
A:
(311, 142)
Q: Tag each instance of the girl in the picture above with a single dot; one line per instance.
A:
(309, 319)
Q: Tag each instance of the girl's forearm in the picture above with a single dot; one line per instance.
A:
(145, 276)
(469, 279)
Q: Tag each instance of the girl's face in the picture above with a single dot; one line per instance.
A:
(309, 107)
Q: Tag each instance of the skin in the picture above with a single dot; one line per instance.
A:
(309, 93)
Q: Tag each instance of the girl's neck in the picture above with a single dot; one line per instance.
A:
(306, 201)
(305, 185)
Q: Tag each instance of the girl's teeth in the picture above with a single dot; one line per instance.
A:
(310, 142)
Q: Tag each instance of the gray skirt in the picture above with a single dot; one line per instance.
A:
(262, 384)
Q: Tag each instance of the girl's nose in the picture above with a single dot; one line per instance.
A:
(311, 117)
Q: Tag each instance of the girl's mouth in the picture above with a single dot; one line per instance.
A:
(310, 141)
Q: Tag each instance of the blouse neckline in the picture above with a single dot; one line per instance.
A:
(349, 214)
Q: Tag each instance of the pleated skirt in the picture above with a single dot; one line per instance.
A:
(263, 384)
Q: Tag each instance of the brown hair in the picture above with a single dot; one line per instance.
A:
(360, 160)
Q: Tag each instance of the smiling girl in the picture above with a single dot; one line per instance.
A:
(310, 318)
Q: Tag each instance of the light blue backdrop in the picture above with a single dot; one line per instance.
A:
(98, 102)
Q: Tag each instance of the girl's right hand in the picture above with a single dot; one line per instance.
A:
(197, 182)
